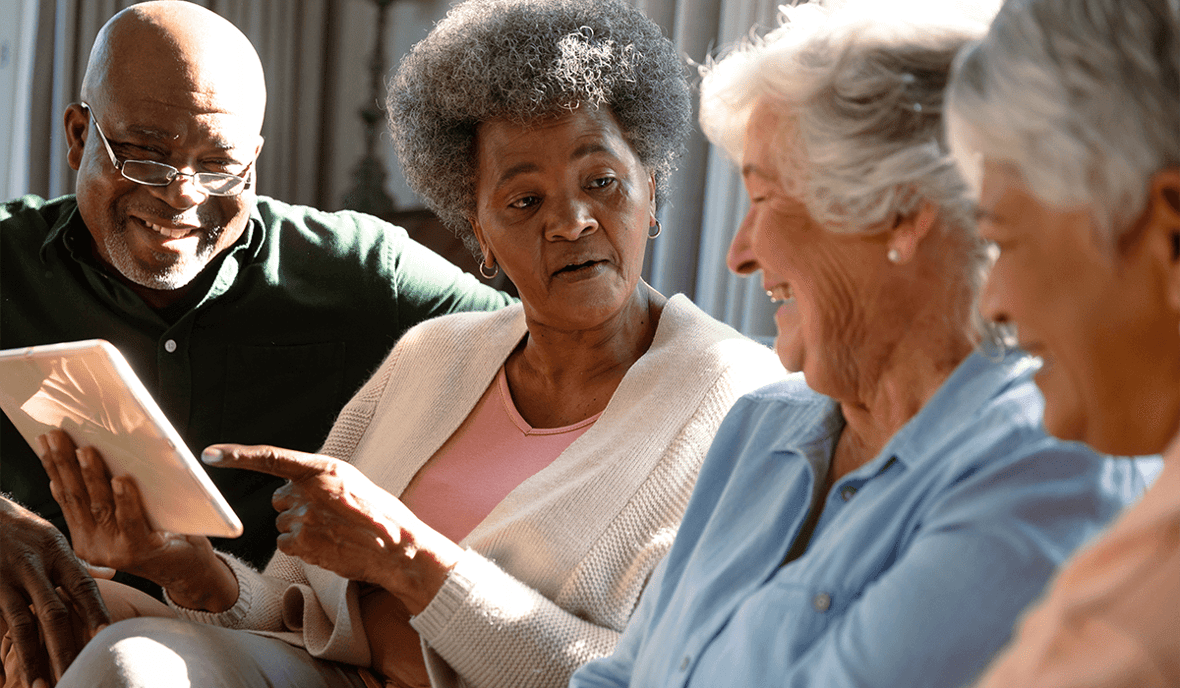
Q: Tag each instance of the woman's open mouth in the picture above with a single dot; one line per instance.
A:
(578, 269)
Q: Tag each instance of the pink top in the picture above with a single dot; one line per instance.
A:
(488, 456)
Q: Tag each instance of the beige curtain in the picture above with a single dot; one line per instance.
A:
(708, 200)
(316, 55)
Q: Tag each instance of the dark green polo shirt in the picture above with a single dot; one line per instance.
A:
(275, 338)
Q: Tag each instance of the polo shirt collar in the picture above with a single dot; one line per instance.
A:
(57, 232)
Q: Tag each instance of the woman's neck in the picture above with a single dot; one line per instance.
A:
(880, 410)
(559, 377)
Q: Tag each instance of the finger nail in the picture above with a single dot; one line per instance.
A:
(212, 455)
(83, 459)
(118, 487)
(43, 446)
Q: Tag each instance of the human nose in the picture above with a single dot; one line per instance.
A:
(993, 302)
(740, 258)
(570, 221)
(183, 191)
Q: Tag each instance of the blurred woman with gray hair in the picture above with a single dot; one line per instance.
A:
(489, 506)
(884, 521)
(1066, 117)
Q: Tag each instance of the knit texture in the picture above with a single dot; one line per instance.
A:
(554, 571)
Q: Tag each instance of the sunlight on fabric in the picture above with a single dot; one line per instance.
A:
(129, 654)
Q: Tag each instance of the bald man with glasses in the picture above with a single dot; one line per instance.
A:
(248, 319)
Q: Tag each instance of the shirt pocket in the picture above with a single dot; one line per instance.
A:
(803, 612)
(768, 631)
(286, 395)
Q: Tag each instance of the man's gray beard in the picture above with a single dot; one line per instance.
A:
(175, 276)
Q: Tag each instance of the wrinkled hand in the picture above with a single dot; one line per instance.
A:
(334, 517)
(106, 519)
(50, 605)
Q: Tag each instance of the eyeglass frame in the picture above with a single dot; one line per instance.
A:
(173, 173)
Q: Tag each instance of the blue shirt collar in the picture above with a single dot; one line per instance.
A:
(954, 405)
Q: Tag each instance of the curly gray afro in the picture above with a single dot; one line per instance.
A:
(525, 60)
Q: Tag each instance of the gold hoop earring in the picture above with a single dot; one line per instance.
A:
(483, 270)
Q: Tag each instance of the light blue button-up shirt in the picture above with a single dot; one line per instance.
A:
(918, 567)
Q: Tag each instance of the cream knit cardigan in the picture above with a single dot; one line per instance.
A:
(551, 576)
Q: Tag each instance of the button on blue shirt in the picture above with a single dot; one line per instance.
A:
(918, 567)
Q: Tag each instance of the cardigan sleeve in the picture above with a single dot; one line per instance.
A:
(486, 628)
(500, 632)
(259, 603)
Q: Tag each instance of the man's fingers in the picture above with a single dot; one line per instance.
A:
(283, 463)
(53, 622)
(83, 594)
(25, 635)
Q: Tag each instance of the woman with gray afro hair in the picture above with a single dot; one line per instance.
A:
(525, 61)
(882, 519)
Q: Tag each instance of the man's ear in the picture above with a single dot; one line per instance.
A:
(77, 123)
(910, 231)
(257, 152)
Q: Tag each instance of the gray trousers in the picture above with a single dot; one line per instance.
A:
(151, 652)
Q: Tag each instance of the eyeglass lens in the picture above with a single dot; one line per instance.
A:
(159, 174)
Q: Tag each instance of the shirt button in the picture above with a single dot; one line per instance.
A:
(684, 663)
(170, 345)
(821, 602)
(846, 492)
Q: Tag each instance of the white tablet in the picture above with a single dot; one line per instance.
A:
(87, 389)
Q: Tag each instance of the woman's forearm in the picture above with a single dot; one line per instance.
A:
(417, 580)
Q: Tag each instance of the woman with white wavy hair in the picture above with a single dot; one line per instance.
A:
(1066, 116)
(884, 520)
